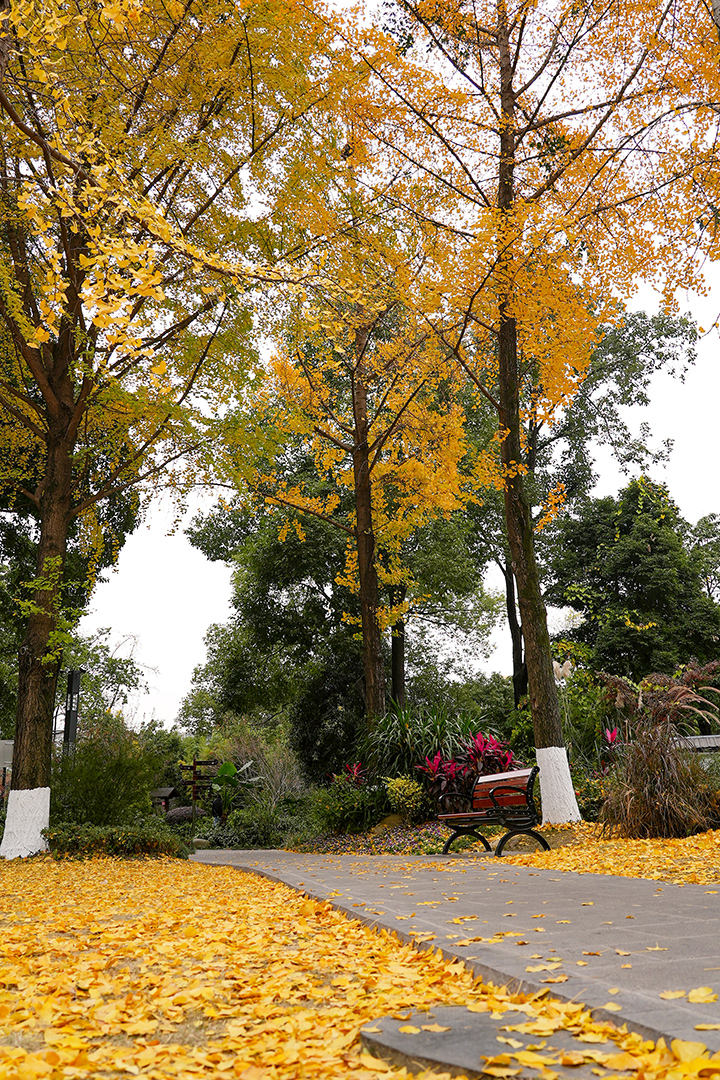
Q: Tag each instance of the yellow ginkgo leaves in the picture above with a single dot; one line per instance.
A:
(702, 995)
(692, 860)
(171, 970)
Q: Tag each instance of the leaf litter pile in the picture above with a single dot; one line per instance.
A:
(164, 969)
(690, 860)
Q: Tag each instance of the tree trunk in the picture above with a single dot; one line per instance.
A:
(369, 595)
(39, 664)
(520, 681)
(398, 652)
(558, 798)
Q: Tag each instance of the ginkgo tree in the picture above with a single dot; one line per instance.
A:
(359, 379)
(560, 135)
(134, 137)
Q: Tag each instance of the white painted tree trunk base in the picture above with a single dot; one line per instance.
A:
(557, 794)
(28, 813)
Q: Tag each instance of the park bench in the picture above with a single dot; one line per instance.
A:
(501, 799)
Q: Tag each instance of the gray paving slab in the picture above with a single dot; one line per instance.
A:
(617, 940)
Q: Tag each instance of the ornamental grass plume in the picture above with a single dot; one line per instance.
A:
(656, 789)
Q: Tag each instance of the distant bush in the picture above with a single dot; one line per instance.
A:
(152, 837)
(404, 738)
(408, 798)
(106, 779)
(349, 807)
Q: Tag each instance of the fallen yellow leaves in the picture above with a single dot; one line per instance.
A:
(692, 860)
(175, 971)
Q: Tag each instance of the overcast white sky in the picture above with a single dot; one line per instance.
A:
(165, 591)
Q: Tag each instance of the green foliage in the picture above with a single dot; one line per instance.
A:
(408, 798)
(151, 837)
(590, 789)
(346, 807)
(266, 754)
(110, 675)
(585, 712)
(622, 563)
(657, 789)
(326, 722)
(404, 738)
(107, 779)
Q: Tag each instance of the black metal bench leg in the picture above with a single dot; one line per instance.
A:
(464, 832)
(520, 832)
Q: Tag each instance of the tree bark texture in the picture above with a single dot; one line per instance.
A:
(373, 667)
(520, 680)
(398, 652)
(39, 662)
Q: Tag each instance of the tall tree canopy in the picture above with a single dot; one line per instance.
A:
(555, 134)
(134, 138)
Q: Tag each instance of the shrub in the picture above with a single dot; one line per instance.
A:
(408, 798)
(404, 738)
(480, 755)
(347, 807)
(657, 789)
(152, 837)
(106, 780)
(590, 793)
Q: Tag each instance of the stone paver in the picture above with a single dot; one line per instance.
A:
(618, 940)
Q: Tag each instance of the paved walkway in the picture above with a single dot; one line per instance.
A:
(618, 940)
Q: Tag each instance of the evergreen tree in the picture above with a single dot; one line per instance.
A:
(624, 564)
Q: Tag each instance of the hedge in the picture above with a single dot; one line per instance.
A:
(68, 840)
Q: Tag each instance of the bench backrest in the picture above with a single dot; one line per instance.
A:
(485, 784)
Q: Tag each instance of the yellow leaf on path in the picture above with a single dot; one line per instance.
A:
(614, 990)
(556, 979)
(620, 1061)
(626, 965)
(591, 953)
(668, 995)
(687, 1051)
(655, 948)
(612, 1006)
(571, 1058)
(707, 1027)
(409, 1029)
(587, 903)
(515, 1043)
(703, 995)
(434, 1027)
(500, 1071)
(561, 921)
(529, 1057)
(372, 1030)
(621, 952)
(371, 1062)
(581, 963)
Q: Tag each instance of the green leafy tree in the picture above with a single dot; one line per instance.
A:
(623, 564)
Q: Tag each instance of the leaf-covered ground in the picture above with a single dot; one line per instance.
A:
(168, 969)
(692, 860)
(695, 859)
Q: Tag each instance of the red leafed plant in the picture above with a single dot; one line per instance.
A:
(482, 755)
